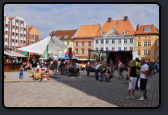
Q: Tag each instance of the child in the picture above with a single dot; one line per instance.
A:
(21, 72)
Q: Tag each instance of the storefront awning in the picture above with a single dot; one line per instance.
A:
(13, 54)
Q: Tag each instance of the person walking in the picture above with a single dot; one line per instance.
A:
(150, 70)
(55, 66)
(132, 78)
(138, 64)
(143, 77)
(111, 67)
(120, 69)
(96, 71)
(34, 64)
(21, 72)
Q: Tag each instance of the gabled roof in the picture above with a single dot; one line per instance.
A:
(70, 34)
(141, 29)
(88, 30)
(121, 27)
(10, 19)
(29, 28)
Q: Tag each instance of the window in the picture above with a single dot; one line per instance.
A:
(96, 41)
(83, 44)
(119, 41)
(126, 32)
(131, 48)
(155, 52)
(155, 36)
(145, 43)
(24, 42)
(16, 27)
(125, 48)
(113, 41)
(12, 40)
(16, 41)
(149, 37)
(145, 37)
(5, 46)
(102, 41)
(101, 48)
(155, 43)
(6, 25)
(76, 52)
(107, 41)
(147, 29)
(66, 36)
(13, 33)
(21, 28)
(145, 52)
(139, 37)
(67, 42)
(24, 35)
(16, 21)
(59, 36)
(13, 27)
(139, 52)
(20, 41)
(96, 48)
(116, 23)
(149, 43)
(131, 40)
(12, 47)
(119, 48)
(24, 29)
(83, 52)
(106, 48)
(89, 43)
(125, 40)
(21, 22)
(76, 44)
(5, 39)
(102, 33)
(149, 52)
(16, 34)
(6, 32)
(21, 35)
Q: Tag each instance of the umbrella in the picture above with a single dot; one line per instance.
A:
(23, 52)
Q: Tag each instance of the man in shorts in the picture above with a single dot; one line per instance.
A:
(143, 78)
(55, 66)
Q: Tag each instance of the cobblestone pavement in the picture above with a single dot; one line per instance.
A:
(81, 91)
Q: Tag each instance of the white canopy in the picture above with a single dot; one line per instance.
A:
(54, 46)
(14, 54)
(135, 55)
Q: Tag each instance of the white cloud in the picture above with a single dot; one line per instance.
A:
(48, 16)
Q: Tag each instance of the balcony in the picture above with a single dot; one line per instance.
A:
(6, 36)
(16, 30)
(13, 30)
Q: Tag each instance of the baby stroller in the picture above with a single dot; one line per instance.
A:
(71, 71)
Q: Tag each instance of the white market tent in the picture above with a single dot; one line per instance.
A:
(135, 55)
(47, 45)
(13, 54)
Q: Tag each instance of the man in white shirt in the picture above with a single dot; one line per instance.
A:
(96, 70)
(143, 77)
(77, 67)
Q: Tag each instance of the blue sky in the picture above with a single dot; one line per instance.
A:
(47, 17)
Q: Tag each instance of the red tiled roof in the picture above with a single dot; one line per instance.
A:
(70, 34)
(121, 27)
(141, 29)
(29, 29)
(88, 30)
(11, 18)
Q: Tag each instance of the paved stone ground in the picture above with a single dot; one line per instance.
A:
(81, 91)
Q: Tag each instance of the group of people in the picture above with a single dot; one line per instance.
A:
(12, 60)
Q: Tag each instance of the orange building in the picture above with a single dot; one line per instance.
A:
(83, 40)
(33, 35)
(147, 42)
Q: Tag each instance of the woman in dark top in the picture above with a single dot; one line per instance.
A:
(132, 78)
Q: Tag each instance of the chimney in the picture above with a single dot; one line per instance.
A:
(137, 27)
(125, 18)
(109, 19)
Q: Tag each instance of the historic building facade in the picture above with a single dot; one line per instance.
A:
(147, 42)
(33, 35)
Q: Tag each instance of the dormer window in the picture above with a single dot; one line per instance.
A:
(126, 32)
(147, 29)
(102, 33)
(66, 36)
(59, 36)
(116, 23)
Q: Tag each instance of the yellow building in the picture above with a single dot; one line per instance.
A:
(147, 42)
(66, 36)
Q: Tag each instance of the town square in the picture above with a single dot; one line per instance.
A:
(81, 55)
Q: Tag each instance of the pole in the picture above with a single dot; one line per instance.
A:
(70, 53)
(47, 51)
